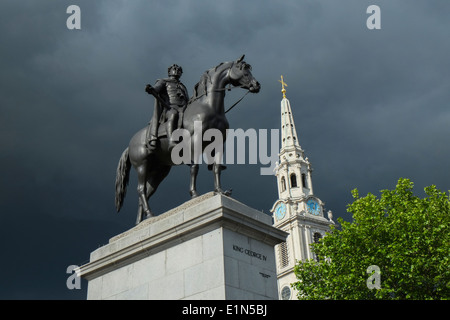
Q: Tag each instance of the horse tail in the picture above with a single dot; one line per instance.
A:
(122, 177)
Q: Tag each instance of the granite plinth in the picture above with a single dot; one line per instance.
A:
(211, 247)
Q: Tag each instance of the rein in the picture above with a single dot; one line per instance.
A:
(237, 101)
(223, 89)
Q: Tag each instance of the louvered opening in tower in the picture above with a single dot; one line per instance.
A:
(283, 255)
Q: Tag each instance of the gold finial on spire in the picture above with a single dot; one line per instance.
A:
(283, 90)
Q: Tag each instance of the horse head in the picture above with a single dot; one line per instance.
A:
(241, 76)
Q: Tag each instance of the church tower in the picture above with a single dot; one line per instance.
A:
(297, 211)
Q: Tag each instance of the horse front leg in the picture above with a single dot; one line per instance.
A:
(217, 169)
(195, 155)
(193, 185)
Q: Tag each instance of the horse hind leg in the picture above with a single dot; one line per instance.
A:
(142, 215)
(154, 180)
(143, 210)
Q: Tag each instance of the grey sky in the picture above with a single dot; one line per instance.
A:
(370, 106)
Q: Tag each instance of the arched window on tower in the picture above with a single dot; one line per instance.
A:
(316, 237)
(304, 181)
(293, 180)
(283, 184)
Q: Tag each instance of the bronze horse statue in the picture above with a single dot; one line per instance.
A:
(207, 106)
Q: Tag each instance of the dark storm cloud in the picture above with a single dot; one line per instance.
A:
(369, 106)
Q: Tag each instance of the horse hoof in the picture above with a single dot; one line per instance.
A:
(225, 193)
(194, 194)
(145, 215)
(148, 214)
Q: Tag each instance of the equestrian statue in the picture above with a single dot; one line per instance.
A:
(149, 150)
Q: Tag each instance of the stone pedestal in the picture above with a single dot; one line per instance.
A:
(211, 247)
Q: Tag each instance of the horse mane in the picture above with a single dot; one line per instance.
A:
(200, 89)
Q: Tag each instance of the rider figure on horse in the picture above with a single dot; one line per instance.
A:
(171, 101)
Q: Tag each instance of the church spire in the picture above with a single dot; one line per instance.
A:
(297, 210)
(288, 133)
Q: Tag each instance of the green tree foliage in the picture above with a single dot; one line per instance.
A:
(405, 236)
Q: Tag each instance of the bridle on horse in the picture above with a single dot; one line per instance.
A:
(229, 88)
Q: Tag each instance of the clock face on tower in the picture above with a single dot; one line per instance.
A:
(280, 211)
(313, 207)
